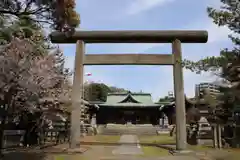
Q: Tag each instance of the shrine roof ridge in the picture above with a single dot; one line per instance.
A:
(126, 93)
(130, 105)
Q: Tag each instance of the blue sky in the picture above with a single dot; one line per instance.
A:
(148, 15)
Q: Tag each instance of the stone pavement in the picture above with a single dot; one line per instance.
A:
(128, 149)
(153, 158)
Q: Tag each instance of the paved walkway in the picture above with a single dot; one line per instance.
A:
(152, 158)
(128, 149)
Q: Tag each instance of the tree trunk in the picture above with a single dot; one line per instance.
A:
(7, 103)
(172, 132)
(1, 137)
(2, 128)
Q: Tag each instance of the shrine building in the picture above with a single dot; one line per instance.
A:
(121, 108)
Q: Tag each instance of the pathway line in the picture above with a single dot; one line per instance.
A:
(133, 148)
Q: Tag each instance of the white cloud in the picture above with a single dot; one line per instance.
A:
(138, 6)
(214, 3)
(215, 33)
(191, 79)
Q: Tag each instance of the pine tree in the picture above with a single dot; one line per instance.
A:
(227, 64)
(228, 15)
(57, 13)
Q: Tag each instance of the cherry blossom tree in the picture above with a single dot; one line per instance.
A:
(26, 76)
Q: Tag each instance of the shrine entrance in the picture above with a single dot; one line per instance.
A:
(129, 116)
(174, 59)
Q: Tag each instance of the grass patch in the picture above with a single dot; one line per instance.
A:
(234, 154)
(201, 148)
(223, 154)
(150, 151)
(101, 139)
(69, 157)
(107, 138)
(158, 139)
(154, 151)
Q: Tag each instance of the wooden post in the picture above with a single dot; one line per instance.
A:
(77, 89)
(215, 142)
(163, 122)
(219, 130)
(181, 134)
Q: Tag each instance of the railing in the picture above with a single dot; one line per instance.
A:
(12, 138)
(60, 133)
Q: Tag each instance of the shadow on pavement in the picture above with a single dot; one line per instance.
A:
(167, 146)
(23, 156)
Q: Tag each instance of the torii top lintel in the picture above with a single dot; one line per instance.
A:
(153, 36)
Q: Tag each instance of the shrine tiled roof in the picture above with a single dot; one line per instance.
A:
(130, 99)
(144, 98)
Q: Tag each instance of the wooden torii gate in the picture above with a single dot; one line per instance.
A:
(81, 59)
